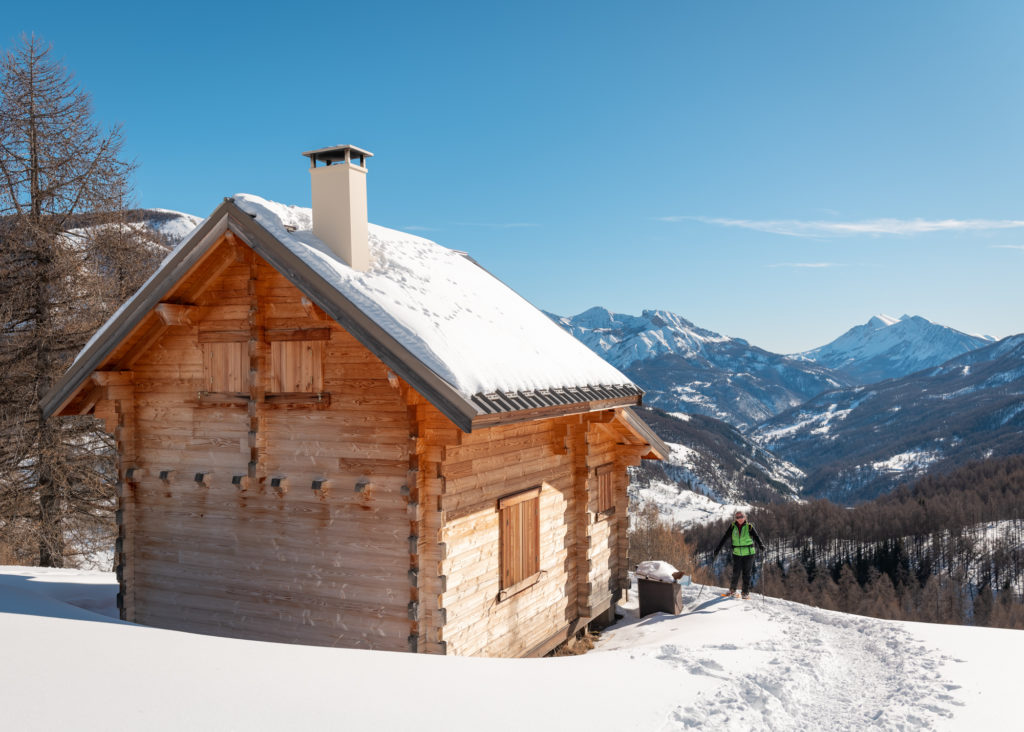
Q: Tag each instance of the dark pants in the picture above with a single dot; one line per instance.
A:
(744, 565)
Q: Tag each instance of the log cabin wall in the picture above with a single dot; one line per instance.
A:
(581, 550)
(487, 466)
(605, 525)
(278, 482)
(283, 517)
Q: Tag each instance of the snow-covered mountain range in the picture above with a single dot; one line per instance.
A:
(858, 442)
(858, 415)
(889, 348)
(684, 368)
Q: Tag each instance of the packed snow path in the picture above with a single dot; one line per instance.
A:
(779, 665)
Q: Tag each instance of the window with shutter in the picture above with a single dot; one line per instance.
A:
(519, 537)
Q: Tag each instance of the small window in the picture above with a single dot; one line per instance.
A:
(226, 367)
(296, 367)
(519, 536)
(605, 488)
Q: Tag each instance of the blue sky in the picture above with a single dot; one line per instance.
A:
(773, 171)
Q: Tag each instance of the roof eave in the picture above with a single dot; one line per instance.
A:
(659, 450)
(561, 410)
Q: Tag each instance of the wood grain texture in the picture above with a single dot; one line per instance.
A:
(244, 558)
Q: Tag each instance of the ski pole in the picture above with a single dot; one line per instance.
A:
(763, 564)
(699, 594)
(701, 590)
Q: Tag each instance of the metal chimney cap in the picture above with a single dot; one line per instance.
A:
(337, 154)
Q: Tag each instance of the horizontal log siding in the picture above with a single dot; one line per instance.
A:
(603, 530)
(484, 467)
(327, 567)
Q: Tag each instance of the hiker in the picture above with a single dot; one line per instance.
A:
(744, 540)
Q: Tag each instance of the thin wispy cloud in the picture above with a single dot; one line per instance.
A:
(871, 227)
(478, 224)
(807, 265)
(486, 225)
(1008, 246)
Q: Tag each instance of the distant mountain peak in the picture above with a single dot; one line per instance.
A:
(883, 321)
(887, 347)
(623, 339)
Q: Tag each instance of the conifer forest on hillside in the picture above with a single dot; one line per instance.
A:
(947, 549)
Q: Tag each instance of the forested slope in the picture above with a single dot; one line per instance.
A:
(945, 549)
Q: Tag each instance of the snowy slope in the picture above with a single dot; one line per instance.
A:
(684, 368)
(711, 469)
(679, 505)
(722, 664)
(888, 348)
(172, 225)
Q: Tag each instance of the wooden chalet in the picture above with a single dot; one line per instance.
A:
(299, 462)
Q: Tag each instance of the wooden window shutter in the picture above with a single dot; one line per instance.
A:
(226, 367)
(605, 488)
(519, 530)
(296, 366)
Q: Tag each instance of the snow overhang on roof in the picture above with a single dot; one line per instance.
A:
(459, 336)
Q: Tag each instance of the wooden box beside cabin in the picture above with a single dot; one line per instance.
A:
(279, 481)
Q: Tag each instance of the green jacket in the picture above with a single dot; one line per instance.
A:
(744, 540)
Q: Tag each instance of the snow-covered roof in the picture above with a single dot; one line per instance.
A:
(462, 337)
(463, 323)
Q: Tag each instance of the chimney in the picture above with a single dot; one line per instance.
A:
(339, 202)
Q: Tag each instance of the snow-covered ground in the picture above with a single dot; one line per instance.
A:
(723, 664)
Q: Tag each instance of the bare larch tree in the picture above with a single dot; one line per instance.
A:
(68, 257)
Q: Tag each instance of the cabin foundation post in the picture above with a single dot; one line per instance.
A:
(423, 489)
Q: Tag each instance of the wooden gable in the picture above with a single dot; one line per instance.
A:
(255, 513)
